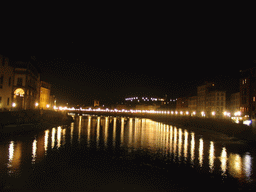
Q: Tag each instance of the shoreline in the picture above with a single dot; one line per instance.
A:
(21, 122)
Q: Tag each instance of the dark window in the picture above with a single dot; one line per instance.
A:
(8, 101)
(0, 99)
(1, 81)
(10, 81)
(19, 82)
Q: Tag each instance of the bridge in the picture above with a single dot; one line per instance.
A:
(128, 113)
(176, 118)
(155, 114)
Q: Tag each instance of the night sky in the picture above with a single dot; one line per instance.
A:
(112, 58)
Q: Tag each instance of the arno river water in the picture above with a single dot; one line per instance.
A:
(120, 153)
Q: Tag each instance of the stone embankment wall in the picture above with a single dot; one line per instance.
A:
(32, 116)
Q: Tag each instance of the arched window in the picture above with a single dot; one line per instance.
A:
(19, 92)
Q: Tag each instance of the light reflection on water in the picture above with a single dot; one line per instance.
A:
(175, 144)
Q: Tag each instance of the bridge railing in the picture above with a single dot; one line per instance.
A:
(225, 115)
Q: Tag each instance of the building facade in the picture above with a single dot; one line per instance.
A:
(202, 93)
(215, 103)
(192, 104)
(6, 83)
(234, 103)
(45, 98)
(182, 104)
(19, 85)
(248, 93)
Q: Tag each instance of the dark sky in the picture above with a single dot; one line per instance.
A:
(114, 57)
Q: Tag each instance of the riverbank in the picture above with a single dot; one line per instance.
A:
(13, 122)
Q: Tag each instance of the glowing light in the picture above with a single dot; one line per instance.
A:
(53, 137)
(223, 160)
(47, 105)
(213, 113)
(247, 122)
(235, 165)
(238, 113)
(203, 114)
(192, 148)
(19, 92)
(11, 151)
(34, 148)
(36, 104)
(13, 104)
(247, 165)
(46, 136)
(211, 156)
(201, 152)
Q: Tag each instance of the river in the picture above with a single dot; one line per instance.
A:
(122, 154)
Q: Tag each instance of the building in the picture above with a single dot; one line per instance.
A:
(215, 103)
(6, 83)
(248, 93)
(210, 101)
(202, 92)
(192, 104)
(182, 104)
(234, 106)
(45, 95)
(19, 84)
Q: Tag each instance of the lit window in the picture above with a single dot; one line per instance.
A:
(19, 92)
